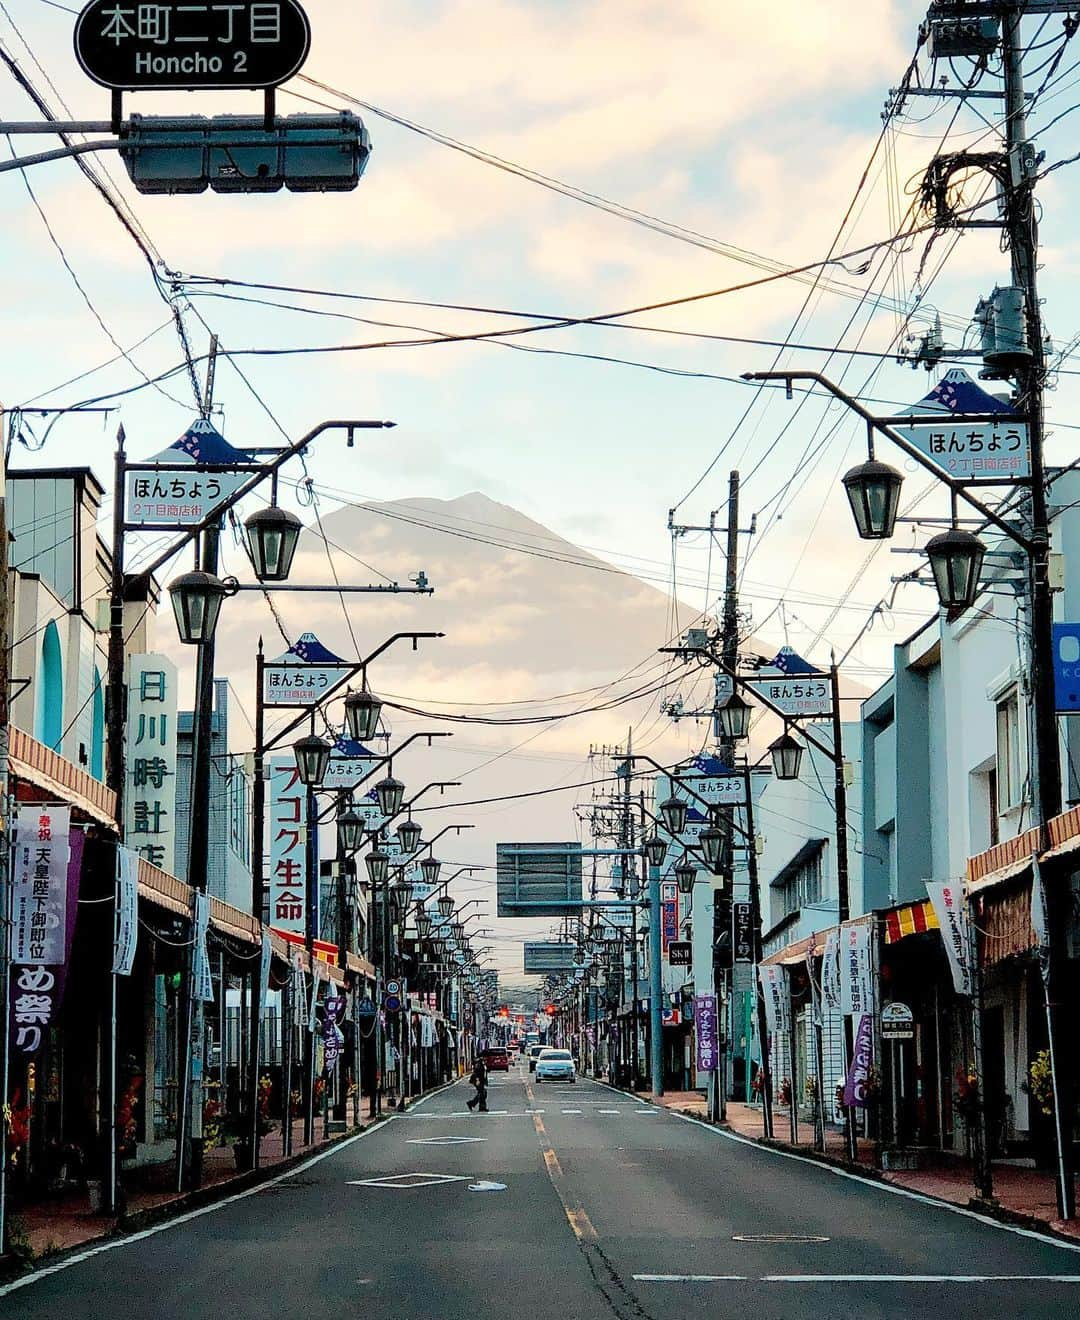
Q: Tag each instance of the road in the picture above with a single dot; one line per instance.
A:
(564, 1201)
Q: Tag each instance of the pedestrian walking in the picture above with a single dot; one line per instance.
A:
(479, 1080)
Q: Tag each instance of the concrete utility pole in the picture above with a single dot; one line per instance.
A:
(1021, 220)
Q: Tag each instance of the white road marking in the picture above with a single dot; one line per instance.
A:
(921, 1278)
(1070, 1279)
(571, 1111)
(691, 1278)
(401, 1182)
(443, 1141)
(607, 1111)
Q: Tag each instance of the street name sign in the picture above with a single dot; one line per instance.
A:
(241, 44)
(967, 432)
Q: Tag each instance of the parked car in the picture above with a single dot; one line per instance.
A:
(496, 1058)
(555, 1066)
(534, 1053)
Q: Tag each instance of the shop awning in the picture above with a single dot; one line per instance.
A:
(36, 764)
(911, 919)
(1011, 857)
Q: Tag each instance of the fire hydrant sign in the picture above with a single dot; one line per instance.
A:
(218, 45)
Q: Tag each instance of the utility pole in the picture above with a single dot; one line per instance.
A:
(1021, 220)
(729, 650)
(843, 886)
(5, 833)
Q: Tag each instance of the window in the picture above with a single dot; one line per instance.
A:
(1010, 774)
(50, 696)
(802, 888)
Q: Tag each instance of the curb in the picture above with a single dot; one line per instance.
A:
(867, 1173)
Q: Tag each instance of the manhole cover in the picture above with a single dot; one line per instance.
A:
(487, 1187)
(777, 1237)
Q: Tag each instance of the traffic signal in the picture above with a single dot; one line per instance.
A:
(235, 153)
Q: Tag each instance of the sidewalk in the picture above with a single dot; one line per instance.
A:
(1022, 1195)
(47, 1227)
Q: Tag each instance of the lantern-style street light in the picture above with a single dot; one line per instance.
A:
(408, 833)
(685, 875)
(673, 814)
(350, 827)
(445, 904)
(390, 792)
(272, 535)
(312, 759)
(655, 850)
(362, 710)
(716, 847)
(423, 925)
(378, 867)
(429, 869)
(196, 601)
(956, 558)
(873, 491)
(786, 756)
(733, 718)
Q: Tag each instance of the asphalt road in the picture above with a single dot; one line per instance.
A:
(563, 1201)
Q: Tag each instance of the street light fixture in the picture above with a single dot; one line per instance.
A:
(390, 792)
(272, 535)
(196, 601)
(362, 710)
(312, 759)
(786, 756)
(408, 833)
(956, 558)
(378, 866)
(423, 925)
(445, 904)
(429, 869)
(716, 847)
(873, 491)
(685, 875)
(655, 850)
(673, 813)
(733, 718)
(350, 828)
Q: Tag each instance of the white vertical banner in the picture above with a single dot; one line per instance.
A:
(39, 885)
(127, 911)
(264, 974)
(774, 988)
(856, 978)
(150, 760)
(201, 977)
(288, 855)
(830, 969)
(312, 1021)
(951, 911)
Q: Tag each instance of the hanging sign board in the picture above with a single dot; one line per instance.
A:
(180, 487)
(742, 932)
(305, 674)
(680, 953)
(127, 911)
(185, 47)
(798, 696)
(966, 431)
(288, 857)
(150, 760)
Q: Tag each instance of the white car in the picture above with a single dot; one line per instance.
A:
(555, 1066)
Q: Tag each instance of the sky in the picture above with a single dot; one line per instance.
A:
(742, 132)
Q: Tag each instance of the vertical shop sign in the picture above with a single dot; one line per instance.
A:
(288, 869)
(150, 760)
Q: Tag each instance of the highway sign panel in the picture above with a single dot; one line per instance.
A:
(191, 47)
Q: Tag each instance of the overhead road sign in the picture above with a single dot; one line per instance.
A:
(537, 879)
(244, 44)
(541, 958)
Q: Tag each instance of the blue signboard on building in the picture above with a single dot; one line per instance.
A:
(1067, 668)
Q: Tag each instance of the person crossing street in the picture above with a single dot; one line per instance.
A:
(478, 1078)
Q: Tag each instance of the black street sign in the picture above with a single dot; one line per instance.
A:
(215, 46)
(743, 932)
(680, 953)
